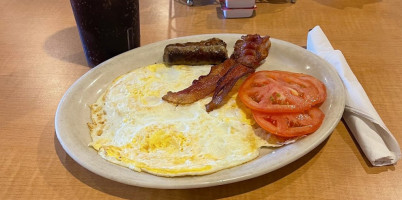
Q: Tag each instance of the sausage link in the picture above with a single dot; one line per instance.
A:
(207, 52)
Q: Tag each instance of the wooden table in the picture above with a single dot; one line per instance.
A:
(41, 56)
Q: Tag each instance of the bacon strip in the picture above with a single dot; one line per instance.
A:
(248, 54)
(226, 83)
(202, 87)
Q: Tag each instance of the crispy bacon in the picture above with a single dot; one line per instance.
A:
(251, 50)
(202, 87)
(226, 83)
(248, 54)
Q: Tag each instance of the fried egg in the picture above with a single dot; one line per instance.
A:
(133, 127)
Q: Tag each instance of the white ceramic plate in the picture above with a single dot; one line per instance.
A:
(73, 114)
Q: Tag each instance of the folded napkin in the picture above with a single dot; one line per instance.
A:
(374, 138)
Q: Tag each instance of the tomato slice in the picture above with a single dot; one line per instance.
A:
(290, 124)
(279, 91)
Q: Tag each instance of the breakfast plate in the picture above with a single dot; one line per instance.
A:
(73, 114)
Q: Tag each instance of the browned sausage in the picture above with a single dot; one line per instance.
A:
(207, 52)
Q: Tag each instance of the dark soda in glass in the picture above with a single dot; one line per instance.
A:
(107, 27)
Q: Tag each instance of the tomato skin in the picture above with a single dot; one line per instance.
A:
(322, 90)
(289, 125)
(280, 91)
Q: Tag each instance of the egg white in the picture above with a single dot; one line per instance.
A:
(132, 126)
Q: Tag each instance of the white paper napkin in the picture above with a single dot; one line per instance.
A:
(374, 138)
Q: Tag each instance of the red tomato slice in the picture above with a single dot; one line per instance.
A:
(290, 124)
(278, 91)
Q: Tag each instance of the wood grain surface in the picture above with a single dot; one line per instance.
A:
(41, 56)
